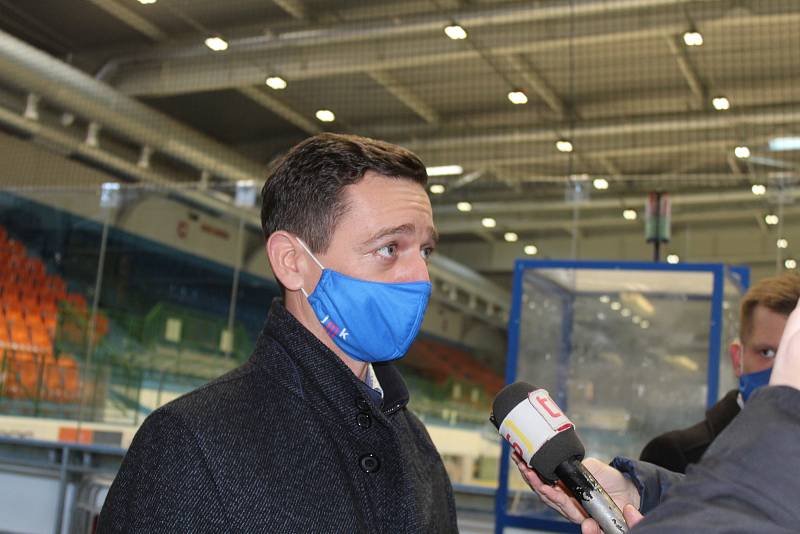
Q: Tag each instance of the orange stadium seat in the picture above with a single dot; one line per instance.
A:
(33, 318)
(20, 334)
(15, 248)
(29, 315)
(21, 376)
(40, 338)
(25, 356)
(57, 286)
(77, 300)
(67, 361)
(14, 314)
(101, 325)
(29, 300)
(48, 307)
(50, 322)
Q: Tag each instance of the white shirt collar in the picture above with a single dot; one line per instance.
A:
(371, 380)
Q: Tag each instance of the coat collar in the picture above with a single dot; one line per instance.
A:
(723, 412)
(313, 370)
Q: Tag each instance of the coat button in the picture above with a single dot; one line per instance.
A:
(364, 420)
(369, 463)
(362, 404)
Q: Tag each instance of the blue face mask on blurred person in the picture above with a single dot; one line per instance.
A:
(752, 381)
(369, 321)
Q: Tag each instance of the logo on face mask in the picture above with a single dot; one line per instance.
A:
(333, 329)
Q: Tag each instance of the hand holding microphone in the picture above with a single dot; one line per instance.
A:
(544, 439)
(620, 489)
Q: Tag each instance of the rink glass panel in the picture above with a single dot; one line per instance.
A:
(624, 351)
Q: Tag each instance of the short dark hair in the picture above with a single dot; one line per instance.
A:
(777, 293)
(303, 192)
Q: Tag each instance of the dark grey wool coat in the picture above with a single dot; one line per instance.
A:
(288, 442)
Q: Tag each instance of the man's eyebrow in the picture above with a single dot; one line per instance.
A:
(400, 230)
(395, 230)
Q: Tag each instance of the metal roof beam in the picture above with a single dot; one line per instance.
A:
(315, 53)
(537, 83)
(279, 108)
(405, 95)
(26, 67)
(696, 85)
(131, 18)
(294, 8)
(445, 211)
(467, 226)
(683, 122)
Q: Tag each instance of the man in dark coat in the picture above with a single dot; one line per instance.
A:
(312, 434)
(762, 318)
(746, 482)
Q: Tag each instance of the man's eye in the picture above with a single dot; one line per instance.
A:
(768, 353)
(388, 251)
(426, 252)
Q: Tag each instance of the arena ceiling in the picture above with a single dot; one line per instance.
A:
(614, 78)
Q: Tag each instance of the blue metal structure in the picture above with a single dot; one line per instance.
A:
(739, 275)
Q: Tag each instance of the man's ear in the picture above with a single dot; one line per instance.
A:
(287, 261)
(737, 353)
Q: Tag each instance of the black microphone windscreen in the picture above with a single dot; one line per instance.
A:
(507, 398)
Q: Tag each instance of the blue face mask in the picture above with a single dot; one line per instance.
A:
(752, 381)
(369, 321)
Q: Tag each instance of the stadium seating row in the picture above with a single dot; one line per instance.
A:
(31, 376)
(31, 302)
(440, 362)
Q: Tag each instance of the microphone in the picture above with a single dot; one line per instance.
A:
(545, 438)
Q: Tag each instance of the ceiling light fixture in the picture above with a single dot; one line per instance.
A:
(673, 259)
(146, 2)
(437, 189)
(721, 103)
(445, 170)
(511, 237)
(464, 206)
(217, 43)
(780, 144)
(758, 189)
(276, 82)
(783, 243)
(531, 250)
(488, 222)
(629, 215)
(771, 219)
(518, 97)
(563, 145)
(693, 38)
(600, 184)
(605, 299)
(741, 152)
(325, 115)
(455, 32)
(790, 263)
(616, 306)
